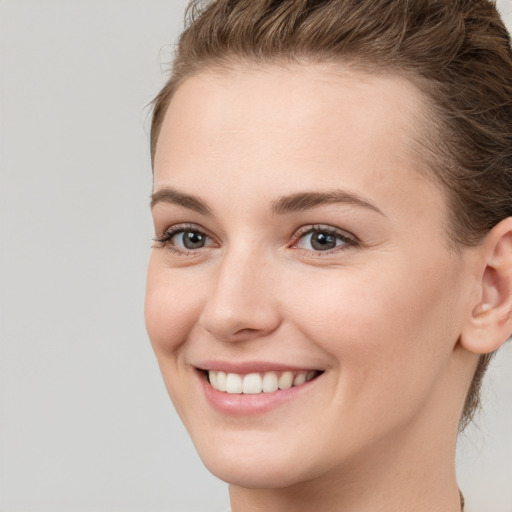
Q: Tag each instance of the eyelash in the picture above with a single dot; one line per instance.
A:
(348, 240)
(165, 240)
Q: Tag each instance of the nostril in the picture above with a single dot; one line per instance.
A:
(237, 310)
(246, 332)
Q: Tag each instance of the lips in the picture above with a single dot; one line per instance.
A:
(258, 382)
(253, 388)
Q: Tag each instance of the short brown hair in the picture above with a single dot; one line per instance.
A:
(457, 52)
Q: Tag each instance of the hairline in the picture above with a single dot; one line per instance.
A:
(423, 141)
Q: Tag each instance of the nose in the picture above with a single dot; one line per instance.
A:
(241, 306)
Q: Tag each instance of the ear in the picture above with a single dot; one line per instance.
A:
(490, 324)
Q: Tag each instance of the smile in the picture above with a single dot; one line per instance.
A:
(255, 383)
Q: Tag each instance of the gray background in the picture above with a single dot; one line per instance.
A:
(85, 422)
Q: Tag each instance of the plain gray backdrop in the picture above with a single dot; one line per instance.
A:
(85, 422)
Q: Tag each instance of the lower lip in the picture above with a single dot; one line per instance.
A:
(251, 404)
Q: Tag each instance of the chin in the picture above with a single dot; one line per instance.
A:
(256, 463)
(264, 473)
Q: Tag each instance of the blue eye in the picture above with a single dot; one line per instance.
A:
(323, 239)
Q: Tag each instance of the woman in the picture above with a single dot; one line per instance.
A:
(332, 267)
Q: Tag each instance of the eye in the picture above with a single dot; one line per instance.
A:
(184, 239)
(189, 240)
(323, 238)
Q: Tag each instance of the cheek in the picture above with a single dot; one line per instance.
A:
(171, 309)
(388, 333)
(391, 302)
(170, 315)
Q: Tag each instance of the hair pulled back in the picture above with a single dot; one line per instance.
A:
(457, 52)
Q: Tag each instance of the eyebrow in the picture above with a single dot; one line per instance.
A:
(173, 196)
(303, 201)
(298, 202)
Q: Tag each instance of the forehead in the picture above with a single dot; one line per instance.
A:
(302, 126)
(252, 102)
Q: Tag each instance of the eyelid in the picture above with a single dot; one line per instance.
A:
(349, 239)
(171, 231)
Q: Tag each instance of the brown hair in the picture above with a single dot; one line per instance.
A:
(457, 52)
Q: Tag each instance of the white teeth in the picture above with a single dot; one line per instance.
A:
(270, 382)
(299, 379)
(221, 381)
(255, 383)
(214, 381)
(233, 383)
(286, 380)
(252, 384)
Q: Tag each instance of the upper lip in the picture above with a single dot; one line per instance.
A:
(250, 367)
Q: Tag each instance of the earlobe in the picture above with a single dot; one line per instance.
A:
(490, 324)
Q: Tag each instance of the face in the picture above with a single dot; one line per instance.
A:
(300, 246)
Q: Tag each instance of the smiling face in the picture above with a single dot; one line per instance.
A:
(300, 243)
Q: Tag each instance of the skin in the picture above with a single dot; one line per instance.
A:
(384, 315)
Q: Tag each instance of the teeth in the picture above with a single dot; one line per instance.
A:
(214, 380)
(299, 379)
(270, 382)
(234, 383)
(310, 375)
(221, 381)
(254, 383)
(286, 380)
